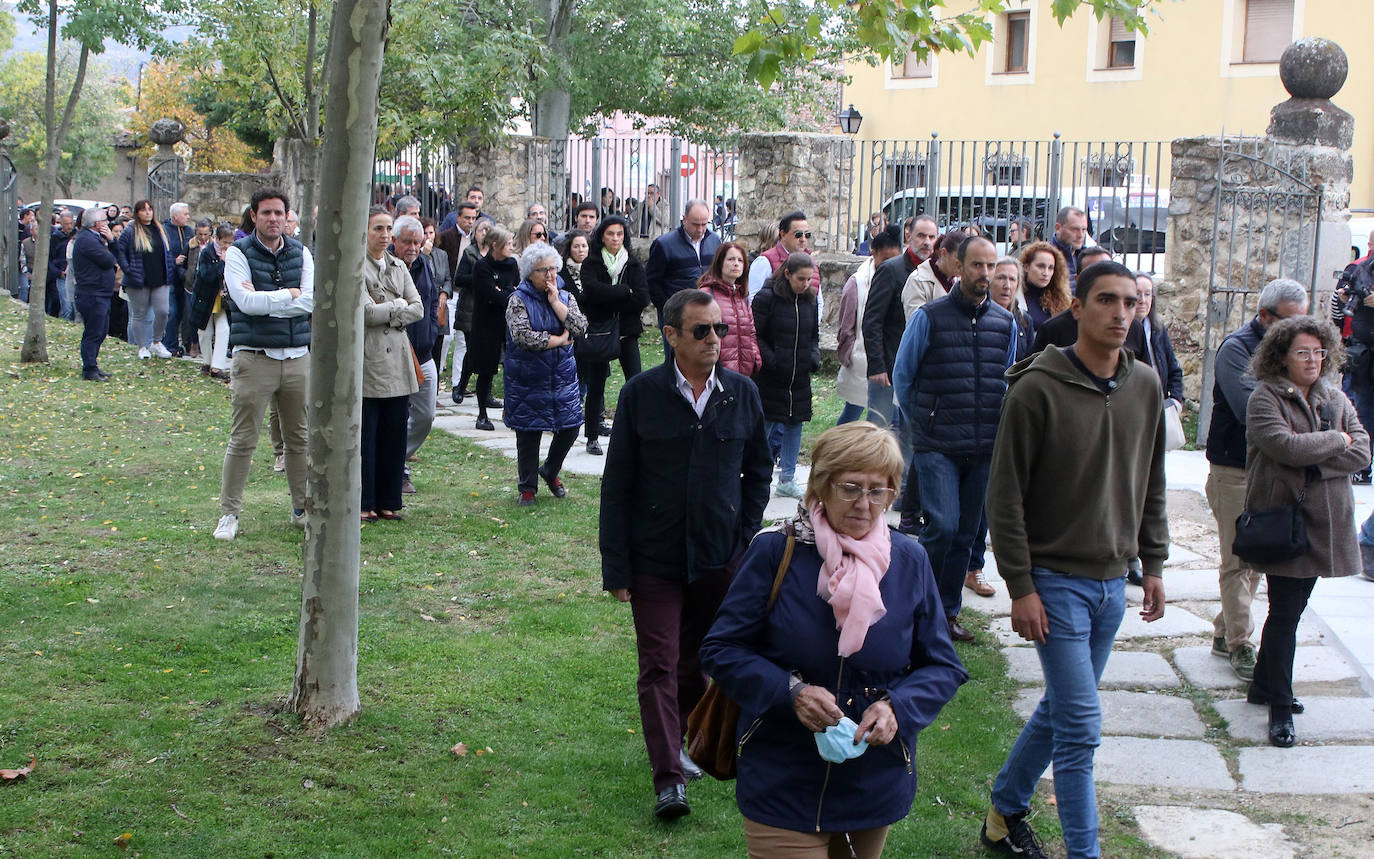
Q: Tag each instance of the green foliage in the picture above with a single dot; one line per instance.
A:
(86, 153)
(7, 30)
(92, 23)
(888, 29)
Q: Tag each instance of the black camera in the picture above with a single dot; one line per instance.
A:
(1355, 291)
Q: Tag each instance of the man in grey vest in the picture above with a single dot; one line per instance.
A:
(270, 279)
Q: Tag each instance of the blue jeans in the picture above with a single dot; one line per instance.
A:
(176, 304)
(1066, 727)
(850, 413)
(784, 442)
(1367, 531)
(64, 297)
(952, 491)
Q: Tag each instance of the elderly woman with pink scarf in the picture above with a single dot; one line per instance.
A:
(835, 679)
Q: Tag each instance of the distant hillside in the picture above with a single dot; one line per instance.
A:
(120, 59)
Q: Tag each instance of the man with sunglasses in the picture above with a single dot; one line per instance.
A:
(794, 236)
(270, 279)
(686, 481)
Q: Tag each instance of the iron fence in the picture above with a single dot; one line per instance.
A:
(990, 184)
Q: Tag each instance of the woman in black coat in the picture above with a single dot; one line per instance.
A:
(1162, 356)
(786, 320)
(494, 279)
(613, 287)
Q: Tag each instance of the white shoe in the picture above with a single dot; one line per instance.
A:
(159, 350)
(143, 353)
(298, 519)
(279, 463)
(228, 527)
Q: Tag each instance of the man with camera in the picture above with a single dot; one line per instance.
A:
(1356, 288)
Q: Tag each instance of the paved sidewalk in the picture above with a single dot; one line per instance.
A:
(1163, 680)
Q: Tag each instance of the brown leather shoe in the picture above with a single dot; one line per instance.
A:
(975, 582)
(957, 631)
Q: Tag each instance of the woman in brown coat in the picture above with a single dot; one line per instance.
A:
(1301, 433)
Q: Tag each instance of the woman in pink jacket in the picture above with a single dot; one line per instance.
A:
(728, 283)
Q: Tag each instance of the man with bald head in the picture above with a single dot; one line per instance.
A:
(678, 258)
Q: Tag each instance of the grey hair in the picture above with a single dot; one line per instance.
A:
(91, 215)
(1020, 270)
(406, 202)
(533, 255)
(695, 201)
(405, 224)
(178, 207)
(1281, 290)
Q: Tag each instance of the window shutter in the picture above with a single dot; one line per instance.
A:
(1268, 29)
(1119, 33)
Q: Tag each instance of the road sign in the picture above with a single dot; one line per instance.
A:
(689, 165)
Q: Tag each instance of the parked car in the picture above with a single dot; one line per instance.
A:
(73, 206)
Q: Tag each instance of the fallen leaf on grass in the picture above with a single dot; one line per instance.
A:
(460, 750)
(122, 840)
(11, 775)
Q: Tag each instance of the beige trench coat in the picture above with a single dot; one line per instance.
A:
(1284, 434)
(390, 303)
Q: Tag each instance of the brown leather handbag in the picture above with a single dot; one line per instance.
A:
(713, 721)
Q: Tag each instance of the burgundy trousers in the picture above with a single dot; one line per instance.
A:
(671, 618)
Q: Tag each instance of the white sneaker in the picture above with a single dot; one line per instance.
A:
(279, 463)
(298, 519)
(143, 353)
(228, 527)
(159, 350)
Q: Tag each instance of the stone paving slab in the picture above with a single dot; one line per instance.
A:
(1211, 833)
(1308, 769)
(1178, 556)
(1175, 622)
(1205, 671)
(1139, 714)
(1327, 719)
(1125, 669)
(1310, 630)
(1178, 764)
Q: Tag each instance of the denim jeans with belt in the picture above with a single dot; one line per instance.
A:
(1066, 727)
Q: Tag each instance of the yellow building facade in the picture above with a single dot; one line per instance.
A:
(1205, 66)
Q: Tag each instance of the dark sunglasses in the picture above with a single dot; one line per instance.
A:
(798, 234)
(700, 331)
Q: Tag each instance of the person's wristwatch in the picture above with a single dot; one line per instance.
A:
(794, 686)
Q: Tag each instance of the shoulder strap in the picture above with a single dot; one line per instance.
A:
(782, 569)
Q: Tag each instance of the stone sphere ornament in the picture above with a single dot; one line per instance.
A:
(166, 132)
(1313, 68)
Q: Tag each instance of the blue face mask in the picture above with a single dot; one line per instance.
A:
(836, 743)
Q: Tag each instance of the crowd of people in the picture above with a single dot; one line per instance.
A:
(962, 356)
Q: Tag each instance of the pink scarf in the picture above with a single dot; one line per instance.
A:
(850, 574)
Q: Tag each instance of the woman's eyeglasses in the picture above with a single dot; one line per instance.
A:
(1309, 354)
(879, 497)
(705, 328)
(549, 269)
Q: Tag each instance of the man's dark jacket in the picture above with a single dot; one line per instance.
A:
(1061, 330)
(178, 244)
(673, 264)
(682, 496)
(884, 319)
(425, 330)
(1226, 443)
(93, 266)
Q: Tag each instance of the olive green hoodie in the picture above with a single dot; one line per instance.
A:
(1077, 477)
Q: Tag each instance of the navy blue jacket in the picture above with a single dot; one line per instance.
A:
(178, 244)
(424, 331)
(1226, 433)
(682, 496)
(541, 387)
(131, 259)
(93, 266)
(949, 373)
(57, 252)
(751, 652)
(673, 264)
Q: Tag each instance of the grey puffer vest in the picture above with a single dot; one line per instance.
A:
(270, 272)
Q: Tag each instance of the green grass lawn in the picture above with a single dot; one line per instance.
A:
(145, 665)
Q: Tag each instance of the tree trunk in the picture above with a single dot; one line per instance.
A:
(555, 98)
(311, 150)
(35, 347)
(325, 690)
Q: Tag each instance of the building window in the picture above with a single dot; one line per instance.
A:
(1268, 30)
(1017, 43)
(912, 67)
(1120, 46)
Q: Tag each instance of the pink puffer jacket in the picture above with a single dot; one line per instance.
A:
(739, 351)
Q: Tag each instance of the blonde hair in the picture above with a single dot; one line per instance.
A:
(768, 236)
(855, 446)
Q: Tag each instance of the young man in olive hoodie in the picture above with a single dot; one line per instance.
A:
(1066, 518)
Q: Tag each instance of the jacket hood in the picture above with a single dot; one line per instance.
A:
(1054, 362)
(716, 284)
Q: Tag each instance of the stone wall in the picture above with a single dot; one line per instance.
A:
(508, 174)
(223, 196)
(783, 171)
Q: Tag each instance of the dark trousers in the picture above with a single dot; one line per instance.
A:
(1279, 641)
(630, 362)
(384, 451)
(437, 354)
(595, 374)
(671, 618)
(176, 311)
(483, 392)
(95, 319)
(190, 335)
(527, 455)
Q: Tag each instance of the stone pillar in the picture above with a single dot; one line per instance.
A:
(164, 166)
(513, 173)
(1309, 139)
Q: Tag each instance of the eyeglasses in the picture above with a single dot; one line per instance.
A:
(801, 234)
(548, 269)
(1309, 354)
(879, 497)
(700, 331)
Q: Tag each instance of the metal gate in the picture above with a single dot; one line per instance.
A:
(9, 236)
(1267, 225)
(164, 184)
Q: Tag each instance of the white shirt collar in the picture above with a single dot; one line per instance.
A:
(684, 387)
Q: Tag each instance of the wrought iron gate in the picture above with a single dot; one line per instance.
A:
(1267, 225)
(9, 235)
(164, 183)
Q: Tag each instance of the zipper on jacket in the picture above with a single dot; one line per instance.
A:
(739, 749)
(906, 756)
(796, 348)
(820, 801)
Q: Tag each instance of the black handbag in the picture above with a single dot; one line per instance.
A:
(601, 343)
(1272, 536)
